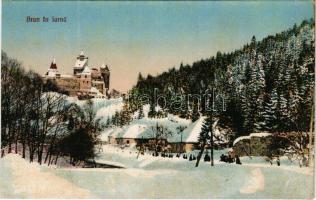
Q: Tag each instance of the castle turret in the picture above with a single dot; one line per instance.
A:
(81, 63)
(53, 64)
(52, 71)
(105, 73)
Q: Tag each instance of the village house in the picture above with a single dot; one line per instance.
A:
(186, 140)
(143, 134)
(133, 135)
(140, 134)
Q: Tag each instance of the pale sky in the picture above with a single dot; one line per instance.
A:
(133, 37)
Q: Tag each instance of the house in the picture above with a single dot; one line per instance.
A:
(133, 135)
(186, 140)
(106, 136)
(112, 136)
(141, 133)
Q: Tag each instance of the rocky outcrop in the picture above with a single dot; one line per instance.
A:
(256, 144)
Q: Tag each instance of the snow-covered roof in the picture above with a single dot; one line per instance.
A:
(93, 89)
(260, 134)
(97, 82)
(134, 131)
(194, 130)
(241, 138)
(86, 70)
(115, 132)
(81, 61)
(66, 76)
(105, 134)
(51, 72)
(190, 134)
(251, 135)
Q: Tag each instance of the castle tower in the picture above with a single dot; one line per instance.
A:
(105, 73)
(81, 63)
(85, 81)
(52, 71)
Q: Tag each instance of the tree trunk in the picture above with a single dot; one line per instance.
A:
(56, 159)
(311, 160)
(200, 154)
(47, 155)
(2, 153)
(16, 144)
(9, 140)
(212, 145)
(23, 149)
(10, 147)
(156, 146)
(50, 159)
(31, 152)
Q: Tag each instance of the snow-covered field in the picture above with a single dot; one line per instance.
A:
(155, 177)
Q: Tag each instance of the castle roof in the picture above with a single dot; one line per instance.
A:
(86, 70)
(81, 61)
(103, 66)
(53, 64)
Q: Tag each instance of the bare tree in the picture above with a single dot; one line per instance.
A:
(160, 134)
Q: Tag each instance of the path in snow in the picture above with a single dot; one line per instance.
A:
(255, 183)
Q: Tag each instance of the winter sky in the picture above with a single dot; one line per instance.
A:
(133, 37)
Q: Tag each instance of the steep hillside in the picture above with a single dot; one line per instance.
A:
(265, 86)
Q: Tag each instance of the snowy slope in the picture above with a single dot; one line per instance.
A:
(103, 107)
(139, 128)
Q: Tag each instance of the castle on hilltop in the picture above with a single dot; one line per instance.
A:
(84, 82)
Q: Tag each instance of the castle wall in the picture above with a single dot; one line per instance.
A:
(99, 85)
(69, 84)
(84, 82)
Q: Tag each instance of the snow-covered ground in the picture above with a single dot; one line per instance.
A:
(155, 177)
(145, 176)
(21, 179)
(104, 108)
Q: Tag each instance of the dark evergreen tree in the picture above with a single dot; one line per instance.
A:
(152, 110)
(125, 116)
(195, 113)
(140, 112)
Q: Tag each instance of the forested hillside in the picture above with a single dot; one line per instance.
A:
(267, 84)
